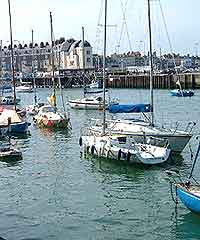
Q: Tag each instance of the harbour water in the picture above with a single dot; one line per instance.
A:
(54, 193)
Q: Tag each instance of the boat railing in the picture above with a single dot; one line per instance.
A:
(190, 126)
(179, 126)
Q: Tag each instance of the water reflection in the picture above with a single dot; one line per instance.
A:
(187, 226)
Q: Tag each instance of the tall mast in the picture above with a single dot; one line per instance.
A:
(33, 72)
(0, 58)
(151, 64)
(83, 56)
(12, 57)
(104, 69)
(53, 67)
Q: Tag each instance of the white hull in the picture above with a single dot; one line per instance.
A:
(177, 139)
(86, 105)
(135, 152)
(24, 89)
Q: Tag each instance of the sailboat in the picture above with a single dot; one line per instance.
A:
(18, 124)
(92, 98)
(120, 147)
(136, 128)
(48, 115)
(180, 92)
(188, 191)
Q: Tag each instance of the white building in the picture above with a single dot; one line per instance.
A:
(71, 55)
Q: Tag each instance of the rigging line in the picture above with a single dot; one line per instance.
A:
(122, 27)
(123, 7)
(124, 24)
(98, 31)
(167, 32)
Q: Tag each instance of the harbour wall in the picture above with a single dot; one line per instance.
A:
(161, 81)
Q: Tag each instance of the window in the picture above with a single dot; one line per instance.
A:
(88, 52)
(88, 60)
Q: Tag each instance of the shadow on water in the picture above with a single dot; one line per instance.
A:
(113, 165)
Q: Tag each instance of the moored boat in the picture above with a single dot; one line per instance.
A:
(24, 89)
(17, 123)
(120, 147)
(48, 118)
(187, 191)
(8, 153)
(8, 100)
(182, 93)
(88, 103)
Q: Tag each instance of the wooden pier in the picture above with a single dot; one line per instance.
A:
(161, 81)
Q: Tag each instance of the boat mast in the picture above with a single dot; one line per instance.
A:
(104, 69)
(53, 66)
(83, 56)
(33, 73)
(151, 64)
(60, 85)
(12, 57)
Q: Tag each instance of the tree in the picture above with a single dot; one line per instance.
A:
(30, 45)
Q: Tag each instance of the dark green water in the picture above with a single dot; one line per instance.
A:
(55, 194)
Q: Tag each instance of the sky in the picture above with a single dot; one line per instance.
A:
(127, 23)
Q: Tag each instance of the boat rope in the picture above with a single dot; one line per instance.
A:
(195, 159)
(175, 199)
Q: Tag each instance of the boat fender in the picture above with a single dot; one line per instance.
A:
(92, 149)
(119, 154)
(128, 156)
(80, 141)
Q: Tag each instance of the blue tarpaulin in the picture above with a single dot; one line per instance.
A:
(129, 108)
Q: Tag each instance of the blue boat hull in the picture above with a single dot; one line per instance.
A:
(21, 127)
(190, 200)
(183, 93)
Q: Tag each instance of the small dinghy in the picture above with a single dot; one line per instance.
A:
(182, 93)
(9, 152)
(48, 118)
(124, 148)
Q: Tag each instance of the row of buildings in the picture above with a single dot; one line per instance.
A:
(69, 55)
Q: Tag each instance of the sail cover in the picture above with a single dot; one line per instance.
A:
(129, 108)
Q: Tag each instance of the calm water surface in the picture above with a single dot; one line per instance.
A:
(55, 194)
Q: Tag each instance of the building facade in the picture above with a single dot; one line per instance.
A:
(68, 55)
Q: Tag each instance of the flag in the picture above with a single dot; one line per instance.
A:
(52, 100)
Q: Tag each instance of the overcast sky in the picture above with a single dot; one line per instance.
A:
(182, 19)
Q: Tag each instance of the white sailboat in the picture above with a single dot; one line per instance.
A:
(123, 147)
(120, 147)
(48, 115)
(177, 139)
